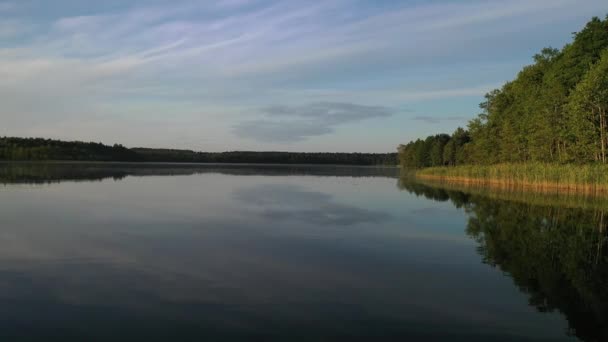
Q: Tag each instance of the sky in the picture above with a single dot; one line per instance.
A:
(331, 75)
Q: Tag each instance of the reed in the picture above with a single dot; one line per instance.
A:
(589, 178)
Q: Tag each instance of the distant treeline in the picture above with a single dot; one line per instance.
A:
(554, 111)
(47, 149)
(162, 155)
(35, 149)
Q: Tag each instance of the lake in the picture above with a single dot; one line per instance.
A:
(291, 253)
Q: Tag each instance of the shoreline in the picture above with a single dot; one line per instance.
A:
(174, 163)
(514, 184)
(548, 197)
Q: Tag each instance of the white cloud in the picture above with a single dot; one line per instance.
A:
(227, 56)
(298, 123)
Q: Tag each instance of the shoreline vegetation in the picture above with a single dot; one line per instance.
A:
(38, 149)
(546, 130)
(546, 178)
(549, 198)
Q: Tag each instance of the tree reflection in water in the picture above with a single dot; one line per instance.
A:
(554, 250)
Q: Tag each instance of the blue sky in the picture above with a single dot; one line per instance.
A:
(332, 75)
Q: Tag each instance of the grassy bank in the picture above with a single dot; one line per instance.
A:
(543, 177)
(550, 198)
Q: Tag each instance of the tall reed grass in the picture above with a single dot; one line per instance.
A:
(571, 177)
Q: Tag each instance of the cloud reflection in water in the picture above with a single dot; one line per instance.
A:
(287, 202)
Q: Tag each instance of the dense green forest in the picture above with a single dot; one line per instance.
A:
(555, 111)
(32, 149)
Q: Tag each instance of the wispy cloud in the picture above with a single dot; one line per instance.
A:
(295, 204)
(297, 123)
(437, 119)
(194, 61)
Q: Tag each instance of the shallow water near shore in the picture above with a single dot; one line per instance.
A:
(290, 253)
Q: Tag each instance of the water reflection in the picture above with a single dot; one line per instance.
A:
(555, 252)
(247, 252)
(46, 173)
(280, 202)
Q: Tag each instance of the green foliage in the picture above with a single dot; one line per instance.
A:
(437, 150)
(554, 111)
(165, 155)
(587, 178)
(29, 149)
(46, 149)
(588, 107)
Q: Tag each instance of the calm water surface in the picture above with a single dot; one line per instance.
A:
(275, 253)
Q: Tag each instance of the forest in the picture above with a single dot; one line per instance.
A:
(36, 149)
(163, 155)
(47, 149)
(554, 111)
